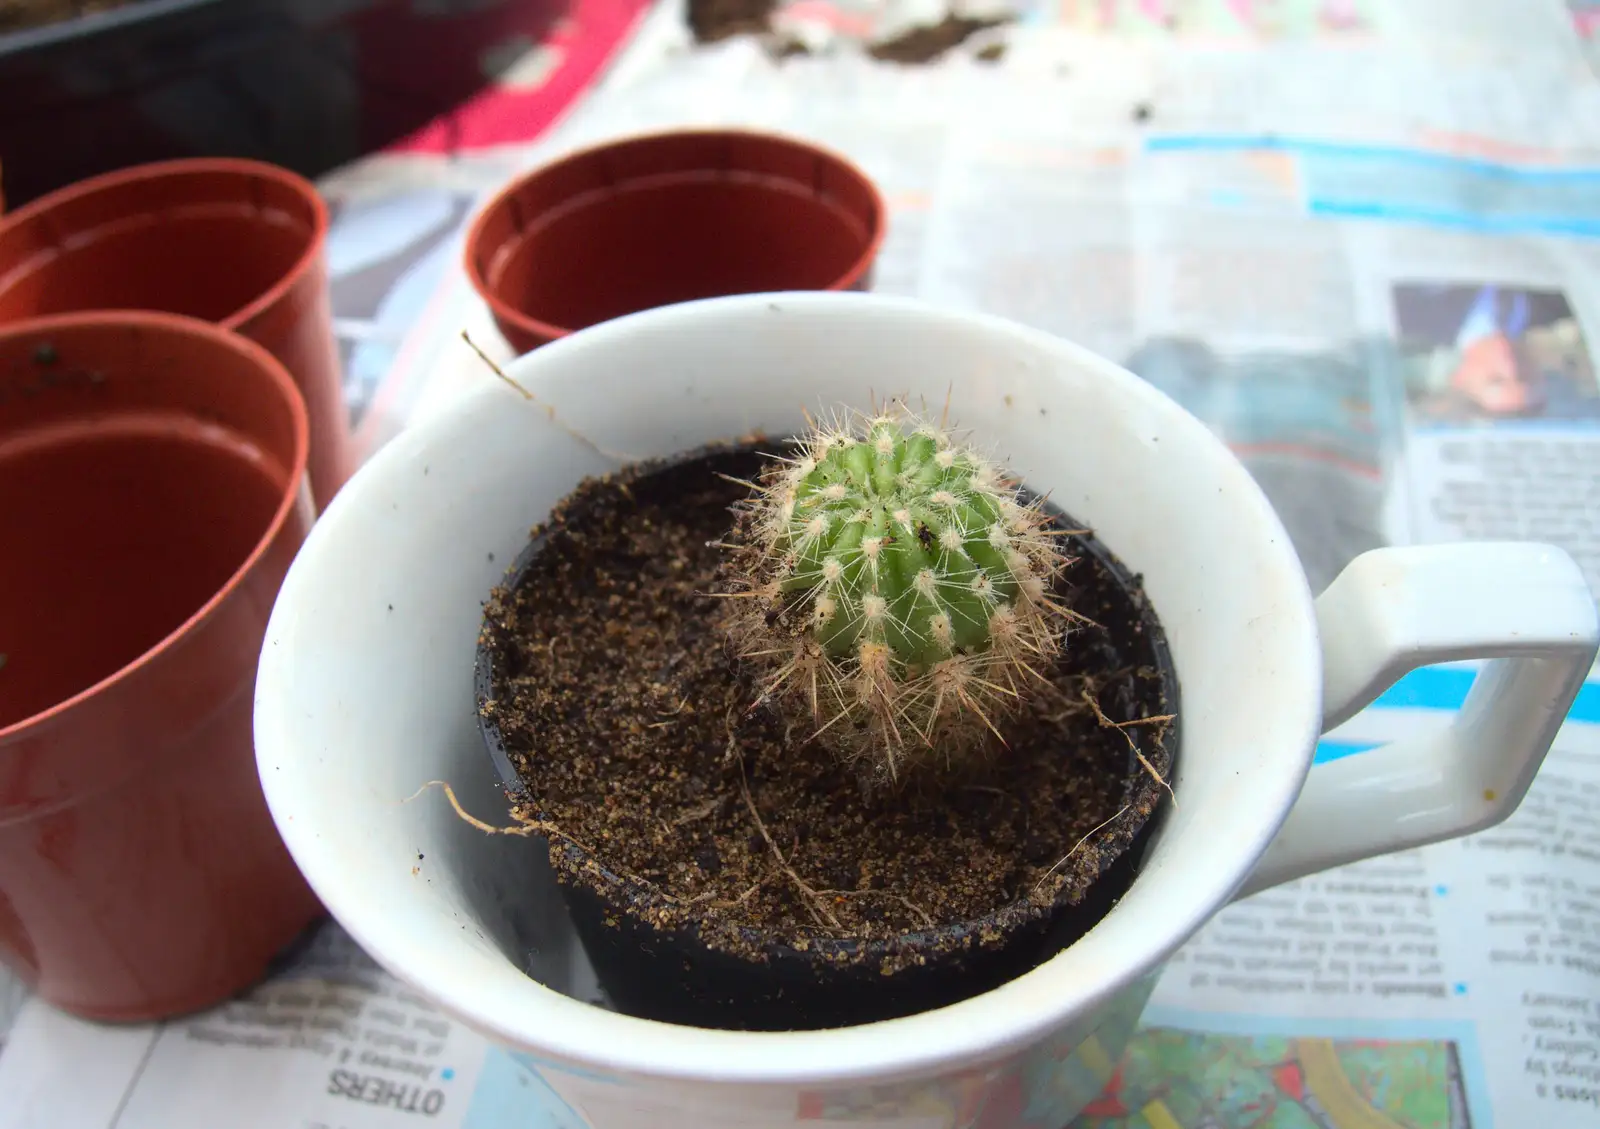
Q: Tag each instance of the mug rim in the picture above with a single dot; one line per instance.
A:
(566, 1030)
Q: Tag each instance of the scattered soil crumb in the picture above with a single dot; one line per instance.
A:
(714, 20)
(930, 42)
(711, 21)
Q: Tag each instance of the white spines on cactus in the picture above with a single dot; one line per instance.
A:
(904, 590)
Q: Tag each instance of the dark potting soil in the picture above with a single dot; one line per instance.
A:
(15, 15)
(625, 716)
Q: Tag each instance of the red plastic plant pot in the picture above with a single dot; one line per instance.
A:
(670, 217)
(152, 496)
(238, 243)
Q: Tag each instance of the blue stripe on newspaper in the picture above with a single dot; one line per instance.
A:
(1443, 688)
(1338, 750)
(1517, 224)
(1391, 183)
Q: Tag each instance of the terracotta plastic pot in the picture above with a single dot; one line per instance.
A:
(671, 217)
(152, 497)
(238, 243)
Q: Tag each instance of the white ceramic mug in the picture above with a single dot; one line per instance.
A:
(365, 694)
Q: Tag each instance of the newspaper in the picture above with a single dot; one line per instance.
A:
(1360, 240)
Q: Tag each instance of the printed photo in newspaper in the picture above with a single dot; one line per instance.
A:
(1484, 352)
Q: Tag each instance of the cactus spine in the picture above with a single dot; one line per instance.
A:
(904, 590)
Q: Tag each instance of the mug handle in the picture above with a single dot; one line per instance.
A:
(1525, 607)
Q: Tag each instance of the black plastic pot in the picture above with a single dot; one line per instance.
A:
(675, 977)
(309, 86)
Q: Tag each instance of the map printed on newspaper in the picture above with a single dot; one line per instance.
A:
(1360, 240)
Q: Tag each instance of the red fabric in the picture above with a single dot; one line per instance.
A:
(581, 43)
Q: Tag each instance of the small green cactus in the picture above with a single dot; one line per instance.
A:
(903, 590)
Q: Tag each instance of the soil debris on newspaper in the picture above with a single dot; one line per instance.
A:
(930, 42)
(712, 21)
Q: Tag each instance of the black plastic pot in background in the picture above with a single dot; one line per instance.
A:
(674, 977)
(306, 84)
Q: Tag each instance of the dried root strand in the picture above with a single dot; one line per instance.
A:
(811, 899)
(525, 827)
(917, 911)
(1076, 847)
(1123, 727)
(549, 409)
